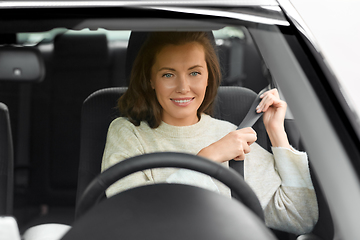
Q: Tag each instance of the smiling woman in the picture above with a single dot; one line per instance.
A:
(166, 108)
(179, 77)
(141, 102)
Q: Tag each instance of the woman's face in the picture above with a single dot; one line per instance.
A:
(179, 77)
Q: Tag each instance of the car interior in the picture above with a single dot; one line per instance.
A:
(55, 122)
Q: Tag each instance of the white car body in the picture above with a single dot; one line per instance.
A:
(335, 27)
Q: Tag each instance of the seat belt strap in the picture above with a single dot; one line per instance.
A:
(252, 116)
(249, 120)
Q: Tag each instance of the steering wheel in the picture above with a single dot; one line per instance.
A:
(228, 176)
(169, 211)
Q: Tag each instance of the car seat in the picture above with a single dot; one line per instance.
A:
(6, 162)
(79, 64)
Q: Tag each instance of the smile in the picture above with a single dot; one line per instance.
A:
(182, 102)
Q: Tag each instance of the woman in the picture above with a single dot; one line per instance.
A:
(173, 85)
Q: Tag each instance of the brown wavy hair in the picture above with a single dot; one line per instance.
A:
(139, 102)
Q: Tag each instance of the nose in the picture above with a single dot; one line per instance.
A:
(183, 85)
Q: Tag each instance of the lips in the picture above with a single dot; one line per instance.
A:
(182, 102)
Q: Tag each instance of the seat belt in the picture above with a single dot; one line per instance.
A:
(249, 120)
(252, 116)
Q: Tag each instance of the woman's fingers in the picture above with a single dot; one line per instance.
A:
(240, 158)
(263, 105)
(269, 98)
(244, 150)
(245, 137)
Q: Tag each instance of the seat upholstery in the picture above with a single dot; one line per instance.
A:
(6, 162)
(99, 110)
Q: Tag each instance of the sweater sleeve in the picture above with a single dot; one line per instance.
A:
(122, 143)
(283, 185)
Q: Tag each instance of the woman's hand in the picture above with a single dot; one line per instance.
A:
(274, 110)
(233, 146)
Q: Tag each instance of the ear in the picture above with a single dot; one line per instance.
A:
(152, 84)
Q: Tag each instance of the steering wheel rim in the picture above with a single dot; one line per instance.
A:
(229, 177)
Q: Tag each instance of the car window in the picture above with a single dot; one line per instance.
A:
(32, 39)
(232, 43)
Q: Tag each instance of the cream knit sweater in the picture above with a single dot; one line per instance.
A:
(280, 180)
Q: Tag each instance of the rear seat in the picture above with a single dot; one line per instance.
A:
(80, 64)
(241, 64)
(76, 66)
(231, 55)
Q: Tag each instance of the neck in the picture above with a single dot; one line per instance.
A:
(181, 122)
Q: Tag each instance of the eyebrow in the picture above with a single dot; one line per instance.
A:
(172, 69)
(196, 67)
(166, 68)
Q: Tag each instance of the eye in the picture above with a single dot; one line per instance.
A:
(195, 74)
(167, 75)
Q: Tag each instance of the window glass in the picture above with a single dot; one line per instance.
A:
(31, 39)
(233, 47)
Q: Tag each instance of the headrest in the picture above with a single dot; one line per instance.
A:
(78, 50)
(21, 64)
(136, 40)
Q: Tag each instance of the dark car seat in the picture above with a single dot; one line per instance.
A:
(6, 162)
(78, 66)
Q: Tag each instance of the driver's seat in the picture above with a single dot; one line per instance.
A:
(99, 110)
